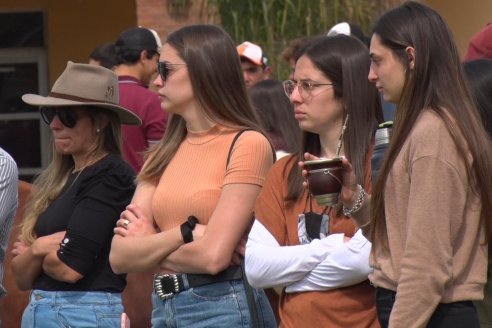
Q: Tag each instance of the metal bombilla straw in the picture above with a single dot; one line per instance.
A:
(340, 139)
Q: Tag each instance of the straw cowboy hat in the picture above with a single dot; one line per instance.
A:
(86, 85)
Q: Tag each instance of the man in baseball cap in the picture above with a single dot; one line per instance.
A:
(137, 52)
(254, 63)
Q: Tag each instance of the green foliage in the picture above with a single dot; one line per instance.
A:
(273, 23)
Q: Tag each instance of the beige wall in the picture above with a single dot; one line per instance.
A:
(74, 27)
(465, 17)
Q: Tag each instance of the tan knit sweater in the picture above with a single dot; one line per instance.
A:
(434, 231)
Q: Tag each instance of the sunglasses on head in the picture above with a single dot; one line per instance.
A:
(68, 117)
(164, 68)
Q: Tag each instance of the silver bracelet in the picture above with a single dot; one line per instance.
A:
(358, 203)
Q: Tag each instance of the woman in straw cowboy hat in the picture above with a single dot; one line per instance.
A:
(62, 253)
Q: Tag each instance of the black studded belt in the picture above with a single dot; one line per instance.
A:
(167, 285)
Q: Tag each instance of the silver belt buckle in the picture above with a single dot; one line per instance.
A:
(158, 286)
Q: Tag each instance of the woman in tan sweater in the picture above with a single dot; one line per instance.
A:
(431, 206)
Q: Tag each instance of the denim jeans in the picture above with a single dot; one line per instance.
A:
(446, 315)
(72, 309)
(222, 304)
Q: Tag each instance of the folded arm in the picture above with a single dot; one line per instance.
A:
(213, 252)
(56, 269)
(346, 265)
(268, 264)
(138, 247)
(27, 263)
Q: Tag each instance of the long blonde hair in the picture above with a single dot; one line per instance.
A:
(218, 86)
(50, 182)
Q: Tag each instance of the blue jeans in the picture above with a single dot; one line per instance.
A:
(222, 304)
(72, 309)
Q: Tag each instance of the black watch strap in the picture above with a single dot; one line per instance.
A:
(187, 229)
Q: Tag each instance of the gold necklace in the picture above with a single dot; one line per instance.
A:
(83, 168)
(90, 162)
(74, 180)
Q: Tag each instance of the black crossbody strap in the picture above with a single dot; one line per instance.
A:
(234, 142)
(255, 320)
(247, 287)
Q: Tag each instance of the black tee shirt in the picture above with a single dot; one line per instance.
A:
(88, 208)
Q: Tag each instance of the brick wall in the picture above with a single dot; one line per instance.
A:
(164, 16)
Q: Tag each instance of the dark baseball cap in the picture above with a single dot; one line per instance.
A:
(138, 38)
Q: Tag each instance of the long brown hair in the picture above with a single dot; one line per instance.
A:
(277, 114)
(345, 61)
(218, 86)
(436, 83)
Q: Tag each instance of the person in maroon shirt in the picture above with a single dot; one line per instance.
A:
(137, 52)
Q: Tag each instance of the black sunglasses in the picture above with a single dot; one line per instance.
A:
(164, 68)
(68, 117)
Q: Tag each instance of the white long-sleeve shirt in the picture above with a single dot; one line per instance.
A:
(283, 250)
(320, 265)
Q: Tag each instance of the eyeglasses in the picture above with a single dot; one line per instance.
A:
(164, 68)
(68, 117)
(305, 87)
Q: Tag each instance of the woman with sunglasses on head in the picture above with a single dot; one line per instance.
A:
(314, 252)
(429, 215)
(63, 251)
(198, 186)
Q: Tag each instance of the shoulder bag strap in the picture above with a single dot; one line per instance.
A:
(237, 137)
(247, 287)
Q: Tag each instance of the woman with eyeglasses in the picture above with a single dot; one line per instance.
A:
(315, 253)
(196, 192)
(63, 251)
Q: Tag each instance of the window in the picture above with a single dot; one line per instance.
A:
(23, 69)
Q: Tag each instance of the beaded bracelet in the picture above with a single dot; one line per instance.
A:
(358, 202)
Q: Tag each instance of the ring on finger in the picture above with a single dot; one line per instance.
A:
(126, 222)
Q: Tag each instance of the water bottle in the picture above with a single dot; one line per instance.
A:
(382, 139)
